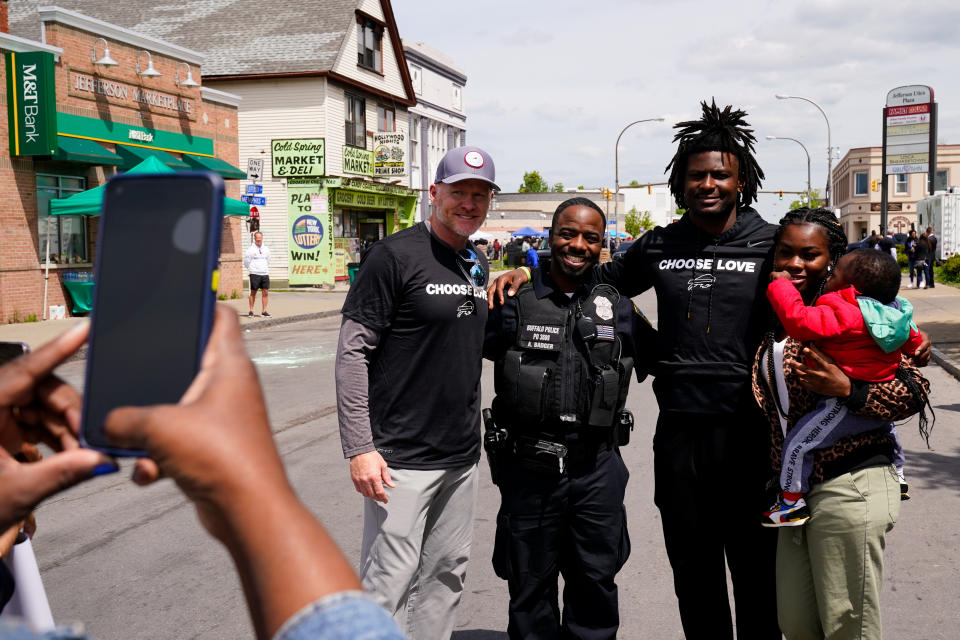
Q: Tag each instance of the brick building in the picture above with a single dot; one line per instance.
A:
(93, 108)
(857, 179)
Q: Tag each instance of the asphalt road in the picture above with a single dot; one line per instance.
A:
(134, 563)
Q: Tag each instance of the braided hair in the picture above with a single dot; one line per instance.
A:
(718, 130)
(824, 218)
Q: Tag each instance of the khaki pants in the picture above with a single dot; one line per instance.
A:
(415, 548)
(830, 570)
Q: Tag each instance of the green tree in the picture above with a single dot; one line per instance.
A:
(636, 222)
(533, 182)
(815, 201)
(557, 187)
(634, 183)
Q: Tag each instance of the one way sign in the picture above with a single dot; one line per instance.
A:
(254, 169)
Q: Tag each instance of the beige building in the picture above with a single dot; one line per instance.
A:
(858, 178)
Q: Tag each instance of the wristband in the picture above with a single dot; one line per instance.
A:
(526, 270)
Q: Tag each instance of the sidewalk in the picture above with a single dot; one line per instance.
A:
(937, 311)
(284, 306)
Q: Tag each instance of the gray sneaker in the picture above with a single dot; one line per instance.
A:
(250, 315)
(265, 314)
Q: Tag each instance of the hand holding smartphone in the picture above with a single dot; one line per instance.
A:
(155, 274)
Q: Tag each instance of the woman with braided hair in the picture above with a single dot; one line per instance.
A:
(829, 572)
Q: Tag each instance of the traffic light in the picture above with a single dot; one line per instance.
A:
(649, 189)
(606, 193)
(873, 185)
(781, 194)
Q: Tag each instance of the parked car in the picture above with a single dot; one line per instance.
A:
(622, 248)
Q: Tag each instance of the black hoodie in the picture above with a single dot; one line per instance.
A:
(711, 311)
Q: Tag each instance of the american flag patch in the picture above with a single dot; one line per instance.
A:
(604, 332)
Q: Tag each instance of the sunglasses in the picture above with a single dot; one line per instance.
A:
(468, 260)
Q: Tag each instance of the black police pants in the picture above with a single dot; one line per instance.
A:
(574, 525)
(710, 471)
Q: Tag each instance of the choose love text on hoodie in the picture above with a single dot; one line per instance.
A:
(711, 309)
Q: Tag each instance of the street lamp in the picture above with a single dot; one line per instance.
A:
(616, 173)
(809, 191)
(829, 191)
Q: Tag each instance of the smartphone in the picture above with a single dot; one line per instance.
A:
(156, 282)
(12, 350)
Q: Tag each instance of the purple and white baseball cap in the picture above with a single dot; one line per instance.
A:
(467, 163)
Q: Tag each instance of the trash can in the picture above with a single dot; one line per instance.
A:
(352, 268)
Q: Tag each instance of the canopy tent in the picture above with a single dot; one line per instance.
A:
(90, 202)
(526, 231)
(618, 234)
(481, 235)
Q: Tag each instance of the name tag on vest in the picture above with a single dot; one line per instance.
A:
(547, 337)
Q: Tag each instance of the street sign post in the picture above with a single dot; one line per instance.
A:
(909, 138)
(254, 169)
(257, 200)
(254, 189)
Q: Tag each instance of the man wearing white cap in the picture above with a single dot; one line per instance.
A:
(408, 398)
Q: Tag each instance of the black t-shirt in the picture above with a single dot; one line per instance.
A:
(424, 389)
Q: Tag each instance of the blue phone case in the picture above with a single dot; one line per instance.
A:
(211, 252)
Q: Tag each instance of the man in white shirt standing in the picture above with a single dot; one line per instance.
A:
(257, 261)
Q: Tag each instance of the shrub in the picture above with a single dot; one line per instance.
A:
(235, 295)
(949, 271)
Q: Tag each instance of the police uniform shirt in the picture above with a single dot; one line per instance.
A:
(632, 327)
(424, 377)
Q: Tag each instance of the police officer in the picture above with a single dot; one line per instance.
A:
(564, 353)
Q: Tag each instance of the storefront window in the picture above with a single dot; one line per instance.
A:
(345, 224)
(66, 235)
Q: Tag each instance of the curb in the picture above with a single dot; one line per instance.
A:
(249, 326)
(946, 363)
(272, 322)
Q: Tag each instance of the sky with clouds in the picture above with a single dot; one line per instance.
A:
(551, 84)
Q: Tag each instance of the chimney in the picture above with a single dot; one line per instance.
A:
(4, 19)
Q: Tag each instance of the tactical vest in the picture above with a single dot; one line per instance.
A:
(566, 370)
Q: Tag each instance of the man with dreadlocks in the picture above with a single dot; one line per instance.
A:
(710, 270)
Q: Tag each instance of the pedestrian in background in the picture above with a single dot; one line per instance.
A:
(932, 239)
(910, 246)
(257, 261)
(921, 258)
(533, 259)
(408, 399)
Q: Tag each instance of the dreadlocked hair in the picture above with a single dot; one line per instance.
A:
(718, 130)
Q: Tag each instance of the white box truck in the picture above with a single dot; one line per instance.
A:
(942, 212)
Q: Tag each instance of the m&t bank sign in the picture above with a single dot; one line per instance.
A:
(31, 103)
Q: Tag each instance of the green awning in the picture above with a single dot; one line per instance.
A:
(90, 202)
(225, 169)
(132, 156)
(86, 151)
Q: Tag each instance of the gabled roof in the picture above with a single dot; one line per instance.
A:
(238, 38)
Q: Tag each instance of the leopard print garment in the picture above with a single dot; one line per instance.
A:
(890, 401)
